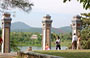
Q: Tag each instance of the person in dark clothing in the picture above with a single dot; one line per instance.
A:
(58, 43)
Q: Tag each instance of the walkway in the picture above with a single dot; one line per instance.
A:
(8, 55)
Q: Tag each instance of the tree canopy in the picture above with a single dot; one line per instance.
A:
(86, 3)
(85, 19)
(25, 5)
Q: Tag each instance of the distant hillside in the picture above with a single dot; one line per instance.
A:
(19, 25)
(22, 27)
(66, 29)
(57, 30)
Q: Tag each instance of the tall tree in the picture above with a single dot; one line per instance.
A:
(25, 5)
(86, 3)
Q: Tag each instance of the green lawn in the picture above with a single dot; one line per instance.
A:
(68, 53)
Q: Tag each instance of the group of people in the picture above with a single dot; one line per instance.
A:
(58, 46)
(75, 42)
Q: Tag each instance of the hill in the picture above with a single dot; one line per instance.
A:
(66, 29)
(19, 25)
(22, 27)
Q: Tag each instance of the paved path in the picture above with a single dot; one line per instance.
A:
(8, 55)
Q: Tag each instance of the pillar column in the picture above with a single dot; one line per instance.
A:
(46, 31)
(6, 23)
(76, 26)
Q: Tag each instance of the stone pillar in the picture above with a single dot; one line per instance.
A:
(6, 23)
(46, 30)
(76, 25)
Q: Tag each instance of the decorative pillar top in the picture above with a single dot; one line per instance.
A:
(6, 15)
(47, 17)
(77, 17)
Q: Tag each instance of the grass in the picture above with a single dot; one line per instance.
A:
(68, 53)
(66, 43)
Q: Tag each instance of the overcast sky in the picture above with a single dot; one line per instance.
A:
(61, 13)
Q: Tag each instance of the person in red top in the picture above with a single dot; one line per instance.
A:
(0, 40)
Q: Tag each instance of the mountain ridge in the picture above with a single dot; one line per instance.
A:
(22, 27)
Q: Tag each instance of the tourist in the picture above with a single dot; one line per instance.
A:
(78, 42)
(29, 48)
(47, 47)
(58, 43)
(74, 41)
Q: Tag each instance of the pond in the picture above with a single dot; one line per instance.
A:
(24, 48)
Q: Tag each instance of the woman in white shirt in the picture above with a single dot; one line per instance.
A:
(58, 43)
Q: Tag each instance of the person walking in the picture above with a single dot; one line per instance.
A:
(58, 43)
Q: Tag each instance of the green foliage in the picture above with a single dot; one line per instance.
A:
(66, 36)
(85, 44)
(24, 38)
(66, 0)
(13, 46)
(65, 39)
(53, 36)
(85, 32)
(85, 19)
(25, 5)
(86, 3)
(85, 35)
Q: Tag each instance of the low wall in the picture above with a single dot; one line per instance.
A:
(35, 55)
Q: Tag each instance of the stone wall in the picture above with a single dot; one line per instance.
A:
(35, 55)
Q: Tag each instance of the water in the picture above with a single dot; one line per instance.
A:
(24, 48)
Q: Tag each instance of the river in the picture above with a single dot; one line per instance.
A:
(24, 48)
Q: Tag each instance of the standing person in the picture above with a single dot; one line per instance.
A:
(58, 43)
(78, 42)
(74, 41)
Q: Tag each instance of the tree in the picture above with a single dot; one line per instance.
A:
(25, 5)
(85, 19)
(86, 3)
(85, 32)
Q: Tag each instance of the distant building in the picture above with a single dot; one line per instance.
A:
(34, 36)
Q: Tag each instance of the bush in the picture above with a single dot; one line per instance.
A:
(85, 44)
